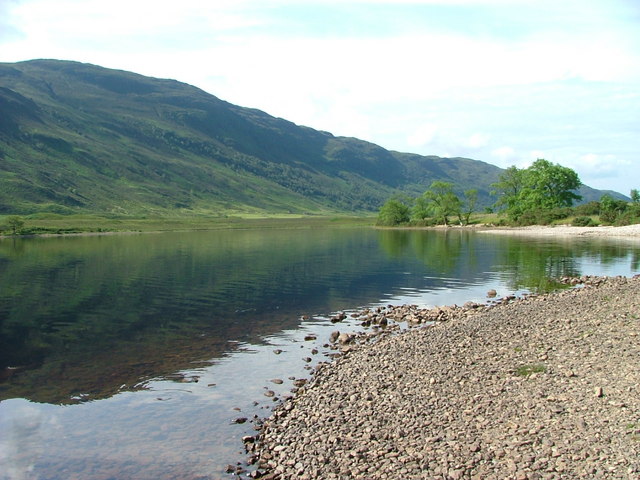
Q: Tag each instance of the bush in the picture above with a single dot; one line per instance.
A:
(393, 212)
(608, 216)
(424, 222)
(502, 222)
(626, 218)
(591, 208)
(543, 217)
(14, 224)
(583, 222)
(611, 209)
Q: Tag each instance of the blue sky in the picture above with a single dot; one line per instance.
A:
(502, 81)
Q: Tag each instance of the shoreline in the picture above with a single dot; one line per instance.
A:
(628, 231)
(142, 226)
(543, 387)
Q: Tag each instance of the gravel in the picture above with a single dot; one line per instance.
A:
(543, 387)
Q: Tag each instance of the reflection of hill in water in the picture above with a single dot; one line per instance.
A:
(99, 314)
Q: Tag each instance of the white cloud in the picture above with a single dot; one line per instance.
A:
(423, 135)
(477, 140)
(519, 77)
(503, 156)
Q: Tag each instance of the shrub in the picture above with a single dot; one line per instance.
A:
(583, 222)
(393, 212)
(590, 208)
(611, 209)
(424, 222)
(14, 224)
(543, 217)
(626, 218)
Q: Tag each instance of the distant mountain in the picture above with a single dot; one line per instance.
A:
(81, 138)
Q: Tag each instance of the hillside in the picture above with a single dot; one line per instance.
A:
(81, 138)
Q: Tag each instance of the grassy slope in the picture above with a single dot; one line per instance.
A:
(76, 138)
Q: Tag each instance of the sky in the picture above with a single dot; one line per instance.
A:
(502, 81)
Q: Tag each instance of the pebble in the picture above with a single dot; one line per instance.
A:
(447, 402)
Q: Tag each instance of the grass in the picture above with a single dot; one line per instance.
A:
(526, 370)
(144, 146)
(42, 224)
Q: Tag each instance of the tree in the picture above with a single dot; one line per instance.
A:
(422, 208)
(610, 208)
(442, 200)
(468, 206)
(508, 188)
(542, 186)
(393, 212)
(635, 196)
(15, 223)
(548, 186)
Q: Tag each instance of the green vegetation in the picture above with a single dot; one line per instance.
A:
(440, 202)
(45, 224)
(77, 139)
(542, 194)
(583, 222)
(435, 206)
(468, 206)
(14, 224)
(618, 212)
(526, 195)
(526, 370)
(394, 212)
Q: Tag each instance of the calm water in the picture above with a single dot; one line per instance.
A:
(131, 356)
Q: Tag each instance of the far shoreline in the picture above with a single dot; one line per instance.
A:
(140, 226)
(99, 226)
(628, 231)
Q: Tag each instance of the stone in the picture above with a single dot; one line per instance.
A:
(439, 402)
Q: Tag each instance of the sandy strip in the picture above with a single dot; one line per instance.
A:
(629, 231)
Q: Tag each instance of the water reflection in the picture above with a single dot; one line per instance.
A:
(85, 318)
(171, 332)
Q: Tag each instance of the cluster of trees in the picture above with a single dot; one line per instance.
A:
(542, 186)
(539, 194)
(609, 211)
(437, 205)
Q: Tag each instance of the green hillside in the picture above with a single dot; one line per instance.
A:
(81, 138)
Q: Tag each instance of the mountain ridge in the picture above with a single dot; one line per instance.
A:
(77, 137)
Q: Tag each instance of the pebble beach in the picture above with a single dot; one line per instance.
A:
(540, 387)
